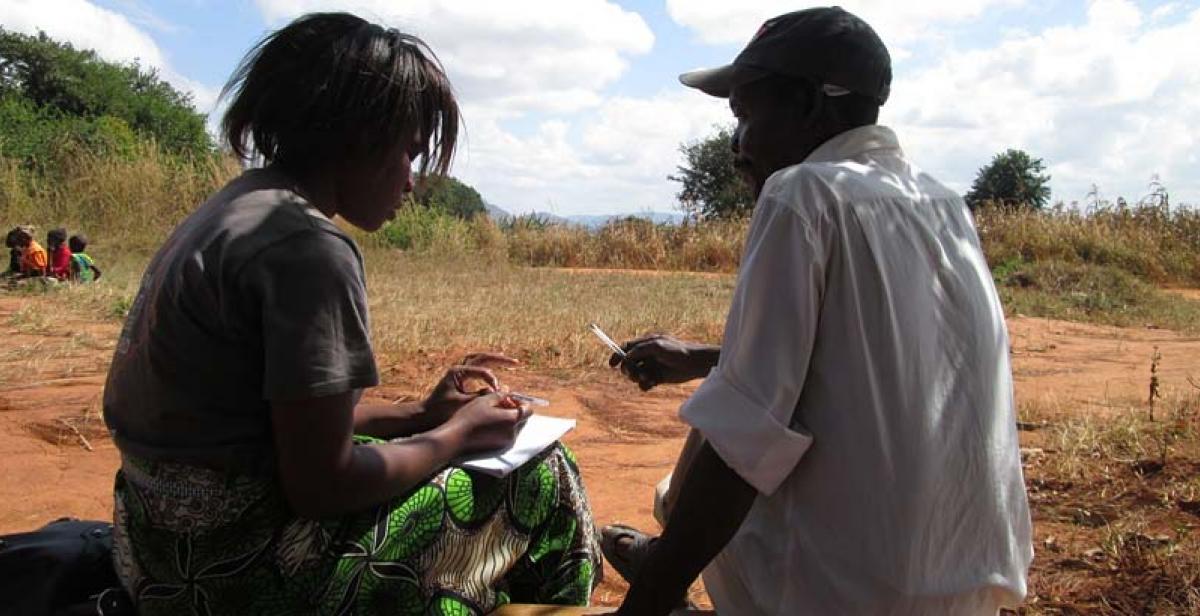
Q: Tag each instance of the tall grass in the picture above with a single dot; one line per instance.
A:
(1101, 264)
(123, 203)
(1152, 242)
(629, 243)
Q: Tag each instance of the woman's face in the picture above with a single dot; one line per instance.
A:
(370, 192)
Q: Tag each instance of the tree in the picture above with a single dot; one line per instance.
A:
(451, 196)
(1012, 179)
(711, 186)
(77, 91)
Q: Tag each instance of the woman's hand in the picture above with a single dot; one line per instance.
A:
(455, 390)
(487, 422)
(656, 359)
(460, 385)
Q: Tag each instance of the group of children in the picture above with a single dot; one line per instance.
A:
(63, 259)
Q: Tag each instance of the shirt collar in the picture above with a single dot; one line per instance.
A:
(853, 143)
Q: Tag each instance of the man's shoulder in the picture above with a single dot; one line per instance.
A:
(890, 176)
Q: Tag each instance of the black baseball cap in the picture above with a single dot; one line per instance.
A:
(827, 45)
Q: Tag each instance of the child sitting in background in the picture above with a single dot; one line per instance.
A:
(83, 268)
(60, 256)
(34, 260)
(14, 254)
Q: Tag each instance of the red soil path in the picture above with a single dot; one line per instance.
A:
(51, 378)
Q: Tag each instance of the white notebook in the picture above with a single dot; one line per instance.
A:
(538, 433)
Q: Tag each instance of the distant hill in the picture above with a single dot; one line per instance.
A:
(496, 212)
(590, 221)
(594, 221)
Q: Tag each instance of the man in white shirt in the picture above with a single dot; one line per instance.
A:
(854, 449)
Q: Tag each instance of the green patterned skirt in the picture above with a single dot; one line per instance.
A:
(193, 541)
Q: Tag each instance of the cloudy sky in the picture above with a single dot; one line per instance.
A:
(572, 106)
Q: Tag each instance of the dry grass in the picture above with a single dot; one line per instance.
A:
(629, 243)
(1153, 243)
(421, 306)
(124, 205)
(1116, 508)
(1101, 294)
(714, 246)
(1115, 495)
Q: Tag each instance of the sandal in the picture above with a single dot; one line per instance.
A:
(627, 559)
(625, 548)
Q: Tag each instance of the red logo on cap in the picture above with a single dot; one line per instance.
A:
(762, 29)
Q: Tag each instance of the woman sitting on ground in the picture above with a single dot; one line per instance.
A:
(233, 393)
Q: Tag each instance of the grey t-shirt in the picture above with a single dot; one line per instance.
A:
(256, 297)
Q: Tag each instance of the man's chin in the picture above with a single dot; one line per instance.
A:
(751, 181)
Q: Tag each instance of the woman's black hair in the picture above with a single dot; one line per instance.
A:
(334, 86)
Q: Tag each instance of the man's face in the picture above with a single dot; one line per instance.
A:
(772, 131)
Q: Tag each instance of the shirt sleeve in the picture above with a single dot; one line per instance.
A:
(745, 407)
(310, 293)
(38, 259)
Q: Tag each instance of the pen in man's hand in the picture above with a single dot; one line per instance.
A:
(616, 348)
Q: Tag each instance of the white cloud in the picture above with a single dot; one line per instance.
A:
(112, 35)
(897, 22)
(1106, 102)
(519, 56)
(614, 158)
(544, 64)
(84, 25)
(1166, 10)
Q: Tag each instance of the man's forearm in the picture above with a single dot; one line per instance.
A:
(389, 421)
(691, 447)
(712, 505)
(704, 358)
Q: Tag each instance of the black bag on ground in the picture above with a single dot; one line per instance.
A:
(63, 569)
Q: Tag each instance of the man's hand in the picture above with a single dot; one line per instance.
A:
(656, 359)
(455, 388)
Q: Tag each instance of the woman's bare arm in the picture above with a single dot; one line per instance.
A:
(324, 474)
(387, 421)
(450, 393)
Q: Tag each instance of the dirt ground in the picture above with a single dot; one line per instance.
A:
(57, 459)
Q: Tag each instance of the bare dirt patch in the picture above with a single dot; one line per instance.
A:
(1113, 530)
